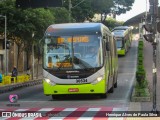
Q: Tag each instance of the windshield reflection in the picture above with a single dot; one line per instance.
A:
(73, 52)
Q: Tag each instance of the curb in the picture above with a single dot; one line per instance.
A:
(12, 87)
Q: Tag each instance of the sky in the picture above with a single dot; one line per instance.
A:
(139, 6)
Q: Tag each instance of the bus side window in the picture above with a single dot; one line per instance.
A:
(107, 45)
(109, 56)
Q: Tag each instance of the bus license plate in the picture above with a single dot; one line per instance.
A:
(73, 90)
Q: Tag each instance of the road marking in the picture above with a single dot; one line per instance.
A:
(81, 113)
(65, 113)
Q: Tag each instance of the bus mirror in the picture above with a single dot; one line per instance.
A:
(107, 46)
(104, 37)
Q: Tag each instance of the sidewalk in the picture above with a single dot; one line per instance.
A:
(148, 61)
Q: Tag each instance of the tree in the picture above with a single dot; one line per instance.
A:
(80, 10)
(60, 14)
(112, 23)
(21, 24)
(122, 5)
(87, 8)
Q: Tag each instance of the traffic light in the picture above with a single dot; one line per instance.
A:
(38, 3)
(150, 35)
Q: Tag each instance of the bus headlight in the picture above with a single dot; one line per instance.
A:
(98, 80)
(49, 81)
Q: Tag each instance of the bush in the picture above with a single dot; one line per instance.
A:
(140, 73)
(141, 42)
(140, 62)
(140, 48)
(140, 55)
(140, 76)
(140, 67)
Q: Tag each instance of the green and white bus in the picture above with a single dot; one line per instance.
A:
(69, 65)
(123, 36)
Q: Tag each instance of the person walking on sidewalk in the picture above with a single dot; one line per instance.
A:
(14, 73)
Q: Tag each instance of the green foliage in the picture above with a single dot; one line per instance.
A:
(23, 23)
(86, 9)
(140, 61)
(102, 6)
(140, 73)
(140, 89)
(140, 54)
(112, 23)
(123, 5)
(140, 42)
(60, 14)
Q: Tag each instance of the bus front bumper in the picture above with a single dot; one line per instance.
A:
(99, 88)
(121, 52)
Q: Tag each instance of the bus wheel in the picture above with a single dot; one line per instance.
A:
(111, 89)
(115, 85)
(103, 95)
(55, 97)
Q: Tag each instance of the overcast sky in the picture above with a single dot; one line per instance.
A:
(138, 7)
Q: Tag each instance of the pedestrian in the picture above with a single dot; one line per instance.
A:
(14, 73)
(0, 78)
(28, 71)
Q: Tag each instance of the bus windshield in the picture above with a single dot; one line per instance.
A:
(119, 42)
(72, 52)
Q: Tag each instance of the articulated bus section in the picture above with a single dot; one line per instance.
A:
(123, 37)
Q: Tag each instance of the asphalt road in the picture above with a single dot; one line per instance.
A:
(33, 96)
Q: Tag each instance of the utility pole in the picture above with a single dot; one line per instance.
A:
(152, 38)
(154, 44)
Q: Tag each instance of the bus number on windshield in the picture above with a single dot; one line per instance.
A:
(83, 80)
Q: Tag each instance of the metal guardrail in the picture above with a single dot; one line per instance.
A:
(11, 83)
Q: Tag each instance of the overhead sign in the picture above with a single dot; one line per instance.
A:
(38, 3)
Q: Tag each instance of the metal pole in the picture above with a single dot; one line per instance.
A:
(154, 71)
(32, 61)
(6, 55)
(70, 11)
(32, 58)
(146, 9)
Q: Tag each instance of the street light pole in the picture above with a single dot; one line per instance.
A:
(32, 58)
(5, 37)
(6, 45)
(70, 12)
(154, 14)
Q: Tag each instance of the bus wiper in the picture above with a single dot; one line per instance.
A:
(85, 65)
